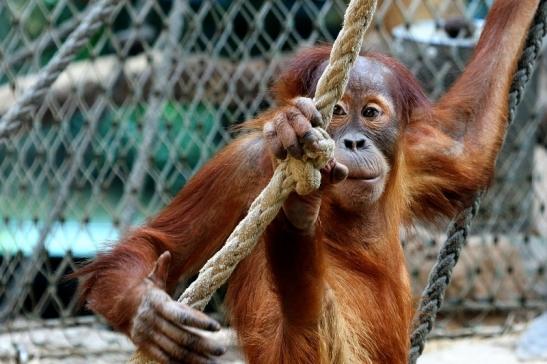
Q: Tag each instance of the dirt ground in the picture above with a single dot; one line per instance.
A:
(79, 345)
(496, 350)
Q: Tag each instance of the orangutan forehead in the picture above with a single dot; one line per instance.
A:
(367, 75)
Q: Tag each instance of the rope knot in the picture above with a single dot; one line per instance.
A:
(306, 171)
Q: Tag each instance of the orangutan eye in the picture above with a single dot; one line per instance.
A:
(338, 110)
(370, 112)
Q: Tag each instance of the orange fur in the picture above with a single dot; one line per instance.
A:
(342, 296)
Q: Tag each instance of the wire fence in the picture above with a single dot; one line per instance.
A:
(152, 97)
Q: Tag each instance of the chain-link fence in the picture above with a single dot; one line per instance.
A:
(153, 96)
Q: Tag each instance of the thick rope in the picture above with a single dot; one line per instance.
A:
(302, 176)
(291, 175)
(439, 278)
(345, 50)
(24, 108)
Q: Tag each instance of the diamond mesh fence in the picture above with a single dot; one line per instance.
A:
(153, 95)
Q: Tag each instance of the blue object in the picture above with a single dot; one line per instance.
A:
(478, 8)
(533, 342)
(82, 242)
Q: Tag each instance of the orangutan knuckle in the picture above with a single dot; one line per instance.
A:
(306, 105)
(182, 316)
(139, 332)
(268, 128)
(292, 113)
(309, 136)
(301, 101)
(192, 342)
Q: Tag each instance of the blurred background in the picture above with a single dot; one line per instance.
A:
(151, 98)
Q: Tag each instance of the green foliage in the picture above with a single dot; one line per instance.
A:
(185, 138)
(186, 130)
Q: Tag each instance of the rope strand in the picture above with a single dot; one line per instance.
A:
(439, 277)
(302, 176)
(23, 109)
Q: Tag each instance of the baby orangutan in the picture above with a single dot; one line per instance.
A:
(327, 283)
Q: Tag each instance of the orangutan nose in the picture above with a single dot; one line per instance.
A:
(354, 143)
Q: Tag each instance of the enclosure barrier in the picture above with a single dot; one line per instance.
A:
(126, 83)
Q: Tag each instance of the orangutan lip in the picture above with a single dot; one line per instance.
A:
(368, 179)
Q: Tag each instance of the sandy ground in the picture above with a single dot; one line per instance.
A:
(79, 345)
(498, 350)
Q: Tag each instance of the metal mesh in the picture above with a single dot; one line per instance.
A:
(111, 145)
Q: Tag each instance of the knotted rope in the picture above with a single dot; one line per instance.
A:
(302, 176)
(439, 278)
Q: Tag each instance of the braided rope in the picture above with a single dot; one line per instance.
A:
(291, 175)
(439, 278)
(302, 176)
(25, 106)
(345, 50)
